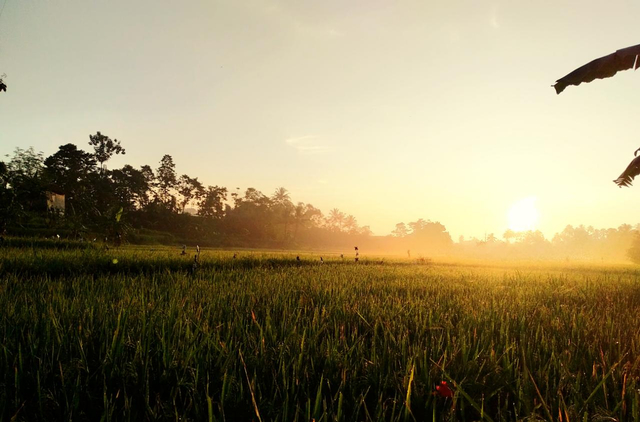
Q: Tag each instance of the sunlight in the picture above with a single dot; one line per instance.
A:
(523, 215)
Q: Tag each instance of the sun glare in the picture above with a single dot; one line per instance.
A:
(523, 215)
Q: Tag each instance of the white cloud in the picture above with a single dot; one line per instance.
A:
(308, 145)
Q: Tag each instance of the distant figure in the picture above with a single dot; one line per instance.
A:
(321, 260)
(357, 253)
(234, 255)
(356, 248)
(184, 250)
(298, 258)
(408, 253)
(196, 264)
(341, 256)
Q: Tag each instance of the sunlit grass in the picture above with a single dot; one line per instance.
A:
(139, 334)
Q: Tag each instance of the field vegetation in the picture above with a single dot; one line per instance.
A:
(150, 334)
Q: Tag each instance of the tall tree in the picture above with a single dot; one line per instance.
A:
(418, 225)
(166, 181)
(351, 224)
(25, 163)
(365, 231)
(70, 170)
(189, 189)
(6, 198)
(429, 235)
(401, 230)
(4, 171)
(316, 219)
(299, 218)
(305, 216)
(104, 148)
(131, 187)
(211, 204)
(335, 220)
(283, 208)
(252, 216)
(150, 178)
(24, 177)
(281, 195)
(508, 235)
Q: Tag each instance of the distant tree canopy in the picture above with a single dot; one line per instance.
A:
(423, 235)
(144, 200)
(572, 243)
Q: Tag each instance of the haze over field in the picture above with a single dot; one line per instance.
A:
(390, 111)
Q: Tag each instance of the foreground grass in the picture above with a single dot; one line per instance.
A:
(88, 334)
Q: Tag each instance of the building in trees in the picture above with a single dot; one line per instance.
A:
(55, 202)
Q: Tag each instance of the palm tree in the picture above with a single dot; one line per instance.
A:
(281, 195)
(283, 206)
(336, 219)
(508, 235)
(351, 224)
(298, 218)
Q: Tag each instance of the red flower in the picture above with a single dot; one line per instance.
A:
(443, 390)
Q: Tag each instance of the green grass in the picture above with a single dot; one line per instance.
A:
(137, 334)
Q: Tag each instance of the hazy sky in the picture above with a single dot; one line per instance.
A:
(388, 110)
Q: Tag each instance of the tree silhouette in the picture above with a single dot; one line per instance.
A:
(211, 204)
(400, 230)
(166, 180)
(104, 148)
(26, 163)
(350, 224)
(508, 235)
(335, 220)
(283, 208)
(24, 174)
(131, 187)
(281, 196)
(189, 188)
(69, 170)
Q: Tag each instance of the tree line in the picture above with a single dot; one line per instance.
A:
(154, 205)
(572, 243)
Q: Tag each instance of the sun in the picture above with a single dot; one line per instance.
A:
(523, 215)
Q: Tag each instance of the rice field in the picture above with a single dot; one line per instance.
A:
(140, 334)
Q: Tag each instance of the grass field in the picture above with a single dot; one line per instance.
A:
(140, 334)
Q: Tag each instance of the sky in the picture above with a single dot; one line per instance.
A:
(387, 110)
